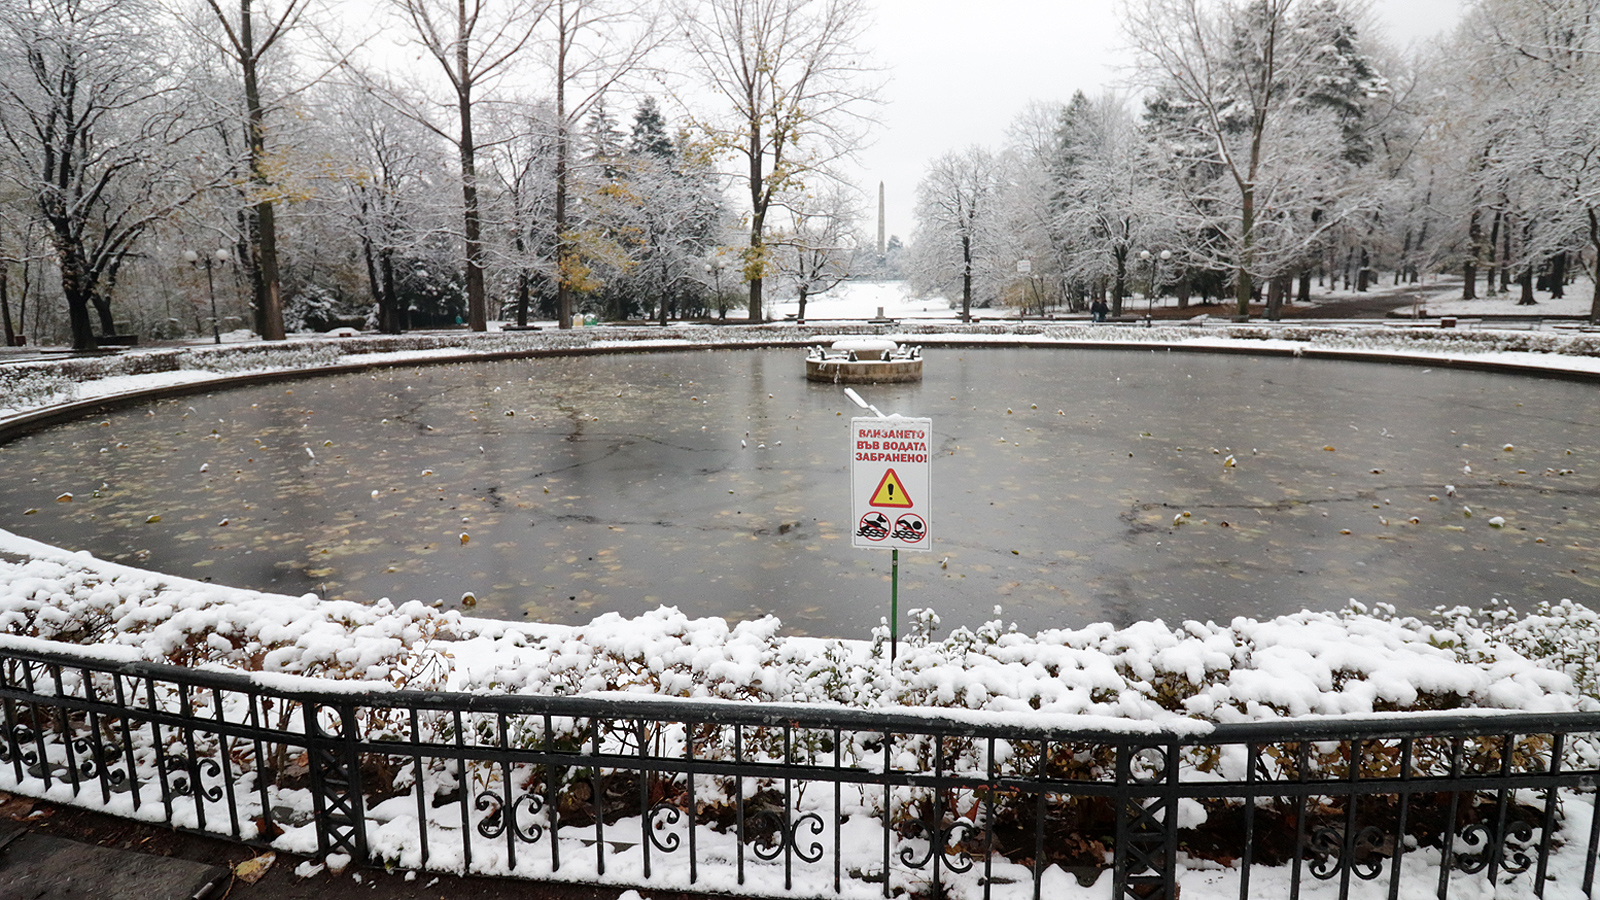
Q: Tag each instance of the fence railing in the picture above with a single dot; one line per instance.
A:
(773, 800)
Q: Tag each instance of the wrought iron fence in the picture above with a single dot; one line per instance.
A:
(772, 800)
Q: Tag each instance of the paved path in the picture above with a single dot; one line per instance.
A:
(60, 853)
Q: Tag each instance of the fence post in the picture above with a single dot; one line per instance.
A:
(1144, 861)
(336, 782)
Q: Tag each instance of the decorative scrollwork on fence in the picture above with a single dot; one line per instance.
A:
(189, 776)
(96, 761)
(22, 737)
(501, 816)
(1514, 857)
(1148, 766)
(1367, 852)
(668, 841)
(940, 841)
(1482, 844)
(771, 844)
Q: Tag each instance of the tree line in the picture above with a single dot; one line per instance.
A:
(457, 161)
(1261, 143)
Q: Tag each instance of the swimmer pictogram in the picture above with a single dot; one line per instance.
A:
(909, 528)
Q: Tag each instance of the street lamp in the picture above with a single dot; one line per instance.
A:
(220, 257)
(1155, 262)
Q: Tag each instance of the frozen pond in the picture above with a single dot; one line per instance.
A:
(559, 489)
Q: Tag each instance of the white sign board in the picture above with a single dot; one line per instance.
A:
(1024, 266)
(891, 499)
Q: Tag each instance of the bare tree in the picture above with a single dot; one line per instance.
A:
(795, 82)
(524, 163)
(250, 32)
(598, 43)
(1234, 78)
(386, 189)
(90, 115)
(958, 223)
(473, 43)
(814, 253)
(1539, 108)
(1108, 206)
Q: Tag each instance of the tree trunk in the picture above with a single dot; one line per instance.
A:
(1305, 287)
(1277, 288)
(1120, 287)
(1505, 256)
(523, 278)
(1494, 255)
(1469, 269)
(271, 298)
(755, 266)
(1558, 275)
(1243, 284)
(563, 173)
(5, 302)
(800, 317)
(102, 309)
(1594, 241)
(264, 237)
(1182, 291)
(1364, 273)
(1525, 281)
(472, 228)
(966, 278)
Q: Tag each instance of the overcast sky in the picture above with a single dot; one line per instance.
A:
(961, 70)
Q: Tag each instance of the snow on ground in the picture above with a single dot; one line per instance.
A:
(1577, 302)
(1434, 296)
(863, 299)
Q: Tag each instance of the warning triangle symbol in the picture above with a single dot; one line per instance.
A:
(890, 492)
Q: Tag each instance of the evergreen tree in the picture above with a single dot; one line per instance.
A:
(650, 132)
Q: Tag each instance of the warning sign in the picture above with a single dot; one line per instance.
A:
(891, 483)
(890, 492)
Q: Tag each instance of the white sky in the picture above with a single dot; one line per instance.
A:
(961, 70)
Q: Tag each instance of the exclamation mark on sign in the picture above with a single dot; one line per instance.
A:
(890, 486)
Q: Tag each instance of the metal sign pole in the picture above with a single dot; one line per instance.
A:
(889, 478)
(894, 603)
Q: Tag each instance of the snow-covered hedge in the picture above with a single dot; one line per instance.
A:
(1353, 662)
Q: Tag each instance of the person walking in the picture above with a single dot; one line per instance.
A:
(1099, 310)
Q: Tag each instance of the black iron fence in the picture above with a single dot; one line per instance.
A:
(775, 800)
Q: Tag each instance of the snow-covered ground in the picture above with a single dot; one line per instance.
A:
(862, 300)
(1577, 302)
(1435, 296)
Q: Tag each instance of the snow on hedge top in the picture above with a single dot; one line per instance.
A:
(1304, 664)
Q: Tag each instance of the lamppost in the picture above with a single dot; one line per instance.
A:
(715, 270)
(195, 259)
(1155, 262)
